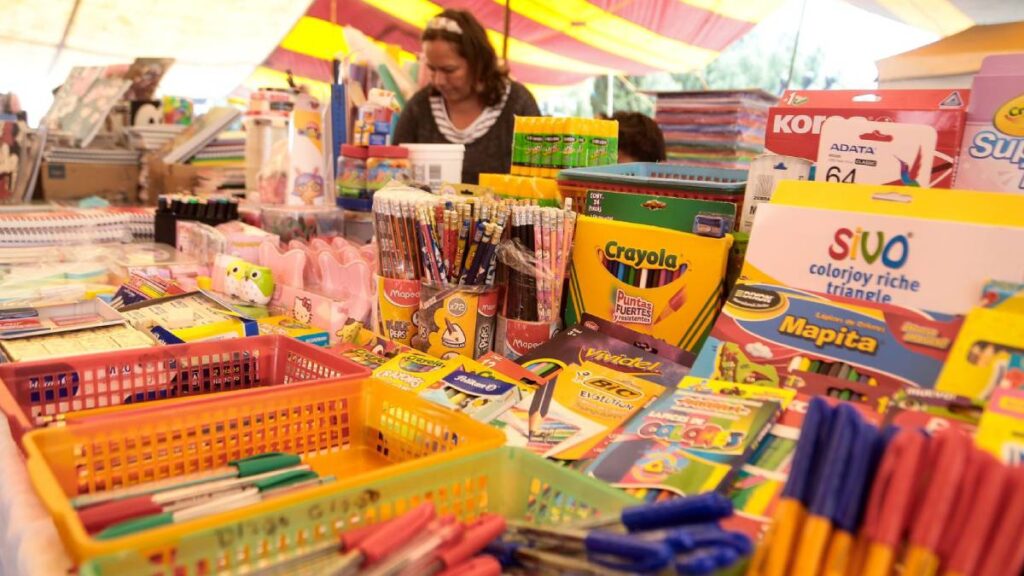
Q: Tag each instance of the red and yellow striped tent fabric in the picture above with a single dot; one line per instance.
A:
(550, 43)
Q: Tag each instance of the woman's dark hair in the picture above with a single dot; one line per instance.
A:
(474, 46)
(640, 137)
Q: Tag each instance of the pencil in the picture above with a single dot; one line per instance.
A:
(539, 408)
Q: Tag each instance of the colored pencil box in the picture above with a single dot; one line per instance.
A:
(776, 336)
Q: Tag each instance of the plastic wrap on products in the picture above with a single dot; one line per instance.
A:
(303, 223)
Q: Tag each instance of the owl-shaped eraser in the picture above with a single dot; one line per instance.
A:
(234, 277)
(258, 285)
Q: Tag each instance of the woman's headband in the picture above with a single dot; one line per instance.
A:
(446, 24)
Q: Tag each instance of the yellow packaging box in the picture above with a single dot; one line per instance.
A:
(656, 281)
(988, 355)
(288, 326)
(1001, 429)
(414, 371)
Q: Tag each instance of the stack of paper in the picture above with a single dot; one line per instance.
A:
(713, 129)
(154, 136)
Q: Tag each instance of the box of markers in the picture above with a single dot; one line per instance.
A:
(777, 336)
(656, 281)
(582, 343)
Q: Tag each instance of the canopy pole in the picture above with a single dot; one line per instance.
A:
(796, 44)
(508, 22)
(609, 102)
(64, 36)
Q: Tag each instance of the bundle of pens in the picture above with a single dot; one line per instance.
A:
(121, 512)
(860, 501)
(682, 536)
(420, 542)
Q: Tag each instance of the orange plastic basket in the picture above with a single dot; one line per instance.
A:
(351, 430)
(36, 393)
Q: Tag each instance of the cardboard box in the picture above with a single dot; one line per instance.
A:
(73, 181)
(794, 125)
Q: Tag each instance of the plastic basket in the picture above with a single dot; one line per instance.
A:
(657, 179)
(349, 429)
(508, 481)
(36, 393)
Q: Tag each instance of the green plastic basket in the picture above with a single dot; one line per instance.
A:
(507, 481)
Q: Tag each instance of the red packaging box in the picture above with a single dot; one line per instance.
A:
(794, 125)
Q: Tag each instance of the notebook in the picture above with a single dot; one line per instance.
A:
(200, 133)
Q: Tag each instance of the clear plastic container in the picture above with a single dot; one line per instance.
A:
(351, 182)
(384, 164)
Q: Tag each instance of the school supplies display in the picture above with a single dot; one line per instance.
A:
(655, 281)
(686, 442)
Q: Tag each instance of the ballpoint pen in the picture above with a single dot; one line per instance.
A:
(410, 557)
(475, 536)
(380, 543)
(707, 507)
(888, 510)
(250, 466)
(252, 494)
(97, 517)
(483, 565)
(1005, 553)
(518, 555)
(952, 448)
(987, 499)
(624, 552)
(791, 509)
(825, 494)
(306, 560)
(866, 450)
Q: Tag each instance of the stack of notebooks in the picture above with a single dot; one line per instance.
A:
(154, 136)
(91, 155)
(227, 150)
(713, 129)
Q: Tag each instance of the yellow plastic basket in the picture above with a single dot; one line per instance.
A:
(508, 481)
(355, 430)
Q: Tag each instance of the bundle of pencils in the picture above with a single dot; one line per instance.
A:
(395, 221)
(443, 241)
(541, 240)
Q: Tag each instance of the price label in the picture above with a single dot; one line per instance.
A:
(858, 151)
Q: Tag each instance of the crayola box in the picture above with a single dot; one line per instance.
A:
(992, 154)
(923, 249)
(777, 336)
(655, 281)
(415, 370)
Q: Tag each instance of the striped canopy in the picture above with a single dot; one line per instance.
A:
(550, 42)
(946, 17)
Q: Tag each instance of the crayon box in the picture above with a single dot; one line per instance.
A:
(992, 154)
(655, 281)
(775, 336)
(794, 125)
